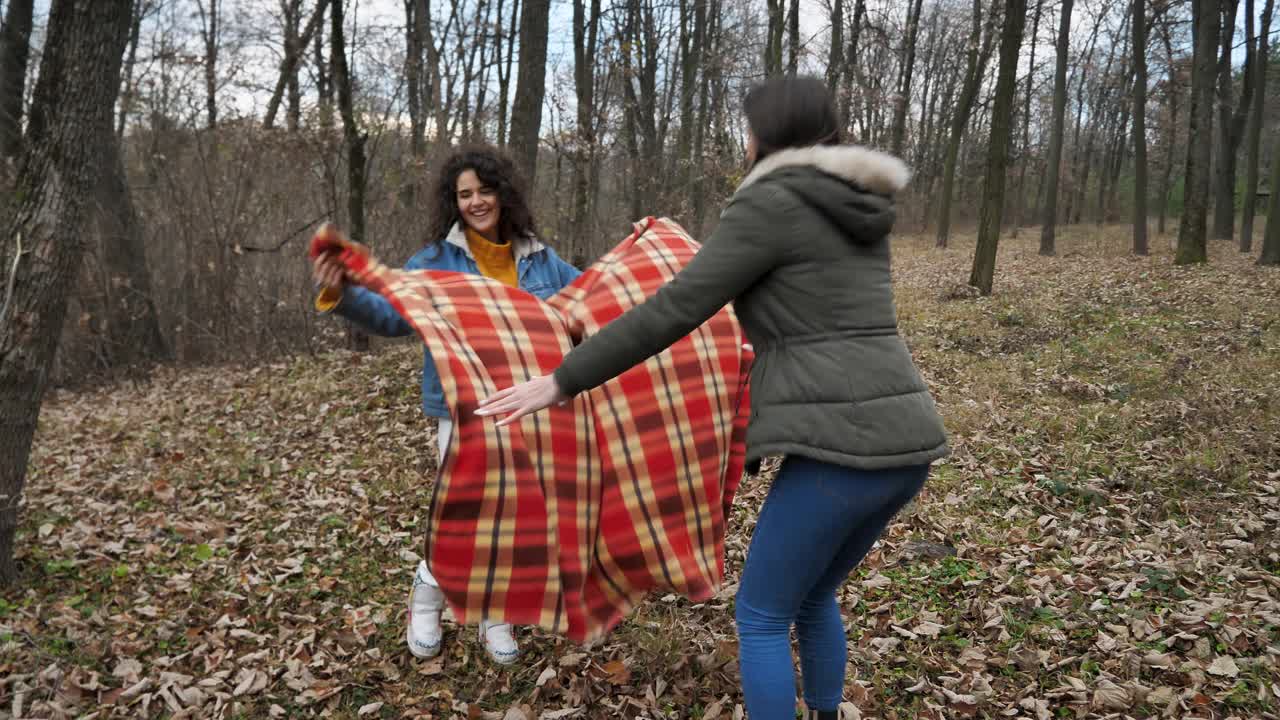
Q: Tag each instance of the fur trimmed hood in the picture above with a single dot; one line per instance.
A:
(871, 170)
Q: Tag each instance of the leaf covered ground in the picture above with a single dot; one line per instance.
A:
(239, 542)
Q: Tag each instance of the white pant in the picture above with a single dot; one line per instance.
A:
(444, 432)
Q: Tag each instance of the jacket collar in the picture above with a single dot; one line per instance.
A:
(524, 247)
(869, 169)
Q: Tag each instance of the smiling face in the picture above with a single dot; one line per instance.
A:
(478, 205)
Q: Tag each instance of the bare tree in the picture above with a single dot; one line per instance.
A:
(984, 259)
(902, 92)
(793, 40)
(1139, 24)
(586, 33)
(504, 69)
(773, 40)
(15, 45)
(1053, 168)
(71, 116)
(210, 33)
(354, 141)
(1271, 238)
(295, 46)
(526, 115)
(1191, 231)
(1253, 142)
(1231, 118)
(981, 43)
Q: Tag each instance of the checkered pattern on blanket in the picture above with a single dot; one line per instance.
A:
(568, 518)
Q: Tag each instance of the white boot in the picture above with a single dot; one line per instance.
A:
(426, 604)
(499, 642)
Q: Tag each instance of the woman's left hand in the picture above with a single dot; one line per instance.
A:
(530, 397)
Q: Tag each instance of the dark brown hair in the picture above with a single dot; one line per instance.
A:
(496, 170)
(789, 112)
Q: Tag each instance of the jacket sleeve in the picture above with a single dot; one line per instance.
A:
(369, 309)
(565, 273)
(743, 248)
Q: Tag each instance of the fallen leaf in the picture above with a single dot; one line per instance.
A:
(1223, 666)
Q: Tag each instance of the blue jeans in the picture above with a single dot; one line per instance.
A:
(817, 524)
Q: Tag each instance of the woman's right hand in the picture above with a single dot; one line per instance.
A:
(328, 273)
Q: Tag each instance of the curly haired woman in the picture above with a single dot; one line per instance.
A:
(481, 224)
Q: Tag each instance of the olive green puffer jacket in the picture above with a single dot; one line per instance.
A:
(803, 252)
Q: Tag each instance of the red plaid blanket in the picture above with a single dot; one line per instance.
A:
(567, 519)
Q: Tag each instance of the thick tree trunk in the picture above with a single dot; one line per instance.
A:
(526, 116)
(15, 46)
(1253, 143)
(984, 258)
(71, 118)
(1053, 169)
(1192, 246)
(851, 62)
(1139, 24)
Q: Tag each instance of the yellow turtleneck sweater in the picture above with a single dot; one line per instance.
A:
(495, 260)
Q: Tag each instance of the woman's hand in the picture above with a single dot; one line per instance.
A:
(530, 397)
(328, 272)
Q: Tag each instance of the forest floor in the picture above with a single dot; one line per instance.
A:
(1103, 542)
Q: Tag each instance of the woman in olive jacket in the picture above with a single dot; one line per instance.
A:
(802, 250)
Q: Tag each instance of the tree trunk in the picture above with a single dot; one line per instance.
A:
(1171, 131)
(1192, 247)
(837, 45)
(210, 32)
(851, 62)
(127, 93)
(132, 325)
(287, 80)
(504, 74)
(15, 45)
(1271, 238)
(324, 80)
(773, 39)
(1053, 169)
(413, 81)
(980, 46)
(526, 116)
(709, 37)
(1230, 122)
(71, 118)
(1253, 143)
(585, 36)
(902, 97)
(354, 140)
(793, 41)
(984, 259)
(1020, 199)
(1139, 127)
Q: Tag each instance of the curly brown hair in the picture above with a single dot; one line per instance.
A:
(496, 170)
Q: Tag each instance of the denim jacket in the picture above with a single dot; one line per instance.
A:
(540, 271)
